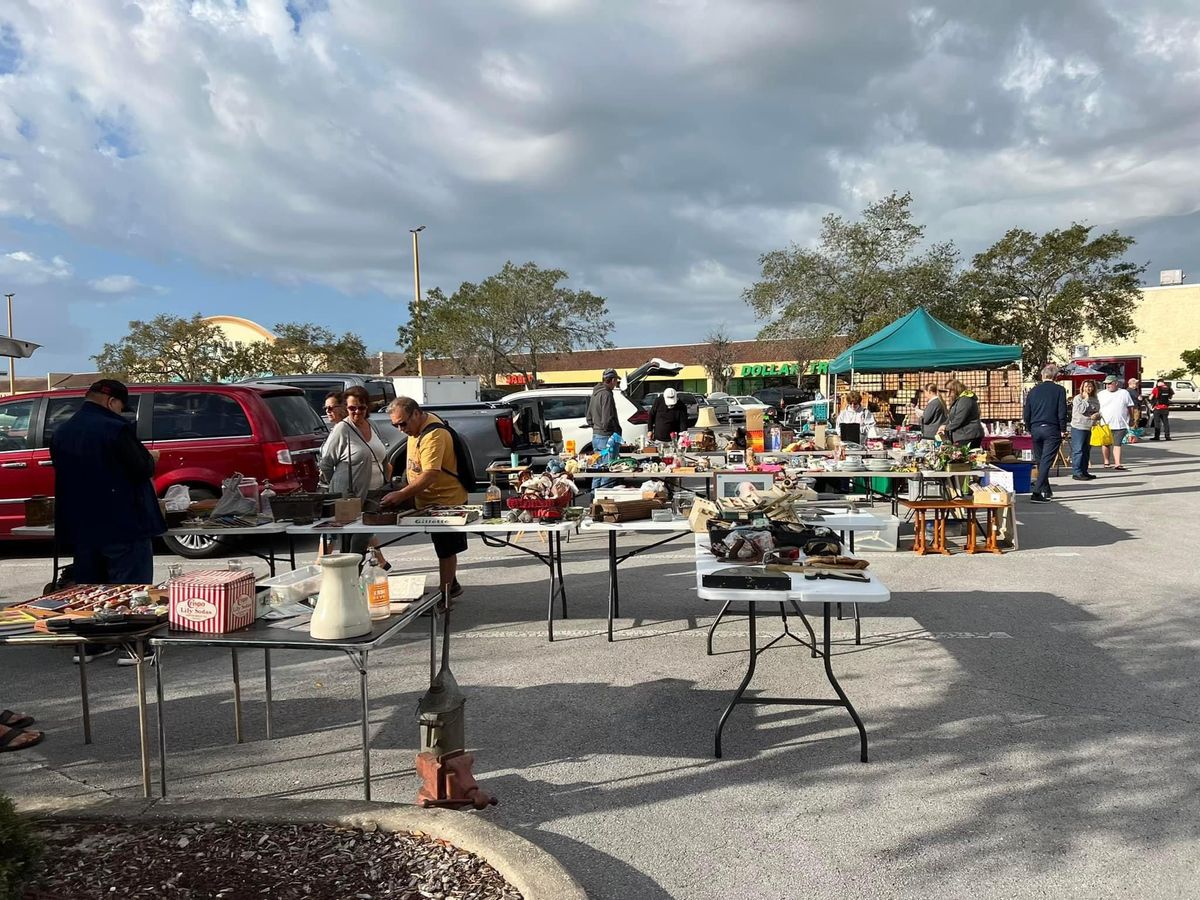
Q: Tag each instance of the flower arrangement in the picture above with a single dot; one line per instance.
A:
(951, 456)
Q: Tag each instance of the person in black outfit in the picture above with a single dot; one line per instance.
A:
(105, 508)
(933, 414)
(1046, 417)
(667, 416)
(1160, 403)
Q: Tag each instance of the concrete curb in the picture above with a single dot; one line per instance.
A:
(528, 868)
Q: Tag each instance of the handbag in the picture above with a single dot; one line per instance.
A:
(1101, 435)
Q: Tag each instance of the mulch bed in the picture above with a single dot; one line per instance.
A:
(233, 861)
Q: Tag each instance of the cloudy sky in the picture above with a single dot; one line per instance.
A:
(266, 158)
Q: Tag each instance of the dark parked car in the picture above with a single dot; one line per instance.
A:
(380, 390)
(204, 433)
(783, 397)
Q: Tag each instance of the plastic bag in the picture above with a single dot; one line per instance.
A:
(177, 498)
(233, 502)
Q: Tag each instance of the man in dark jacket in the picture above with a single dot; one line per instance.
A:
(667, 416)
(1046, 417)
(602, 418)
(1160, 405)
(105, 508)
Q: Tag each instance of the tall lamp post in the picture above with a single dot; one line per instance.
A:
(416, 298)
(12, 377)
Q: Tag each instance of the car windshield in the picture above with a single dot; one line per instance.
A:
(746, 399)
(294, 415)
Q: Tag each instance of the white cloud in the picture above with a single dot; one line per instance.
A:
(115, 284)
(20, 267)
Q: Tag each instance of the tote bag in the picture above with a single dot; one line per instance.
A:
(1101, 435)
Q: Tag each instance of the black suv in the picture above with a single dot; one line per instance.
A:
(380, 390)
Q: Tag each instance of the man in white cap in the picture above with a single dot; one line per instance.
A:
(668, 417)
(1115, 405)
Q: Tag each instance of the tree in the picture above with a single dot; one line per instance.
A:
(1191, 362)
(168, 348)
(508, 322)
(717, 356)
(1176, 373)
(862, 276)
(301, 347)
(1045, 292)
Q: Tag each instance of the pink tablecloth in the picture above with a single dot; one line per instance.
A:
(1019, 441)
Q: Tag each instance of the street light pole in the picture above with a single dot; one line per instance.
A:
(416, 299)
(12, 378)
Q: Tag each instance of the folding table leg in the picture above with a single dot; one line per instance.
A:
(750, 674)
(808, 626)
(80, 649)
(833, 682)
(267, 682)
(143, 737)
(162, 723)
(717, 621)
(237, 698)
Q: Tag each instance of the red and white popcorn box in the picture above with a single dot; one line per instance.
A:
(213, 601)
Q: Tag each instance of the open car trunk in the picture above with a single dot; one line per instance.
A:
(632, 384)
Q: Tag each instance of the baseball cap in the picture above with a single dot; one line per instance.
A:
(670, 397)
(1110, 379)
(609, 374)
(110, 387)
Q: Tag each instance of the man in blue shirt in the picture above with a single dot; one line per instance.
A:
(105, 508)
(1046, 418)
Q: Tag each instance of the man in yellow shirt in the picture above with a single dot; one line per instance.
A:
(432, 475)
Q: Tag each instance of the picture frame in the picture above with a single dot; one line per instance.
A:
(725, 484)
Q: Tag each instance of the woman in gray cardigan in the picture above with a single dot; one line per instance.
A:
(933, 416)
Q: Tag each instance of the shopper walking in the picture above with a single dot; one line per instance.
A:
(933, 414)
(105, 506)
(1046, 418)
(602, 418)
(963, 424)
(1160, 404)
(1085, 412)
(1114, 412)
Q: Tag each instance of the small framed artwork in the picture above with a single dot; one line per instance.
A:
(725, 484)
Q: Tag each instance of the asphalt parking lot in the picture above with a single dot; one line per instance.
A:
(1033, 716)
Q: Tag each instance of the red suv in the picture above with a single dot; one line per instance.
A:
(203, 432)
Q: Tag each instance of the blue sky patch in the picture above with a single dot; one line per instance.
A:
(10, 49)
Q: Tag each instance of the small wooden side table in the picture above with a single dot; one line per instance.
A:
(992, 517)
(921, 510)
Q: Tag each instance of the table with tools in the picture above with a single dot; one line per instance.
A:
(846, 523)
(267, 635)
(500, 534)
(780, 590)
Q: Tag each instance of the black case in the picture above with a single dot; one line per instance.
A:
(747, 578)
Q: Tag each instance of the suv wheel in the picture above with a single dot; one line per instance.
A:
(194, 546)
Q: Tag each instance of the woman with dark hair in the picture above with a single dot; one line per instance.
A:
(963, 424)
(933, 414)
(352, 458)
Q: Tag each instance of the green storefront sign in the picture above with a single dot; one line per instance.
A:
(774, 370)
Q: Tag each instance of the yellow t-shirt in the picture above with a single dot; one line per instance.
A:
(434, 452)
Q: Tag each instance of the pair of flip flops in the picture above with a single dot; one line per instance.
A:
(12, 737)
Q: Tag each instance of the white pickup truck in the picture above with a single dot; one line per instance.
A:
(1186, 395)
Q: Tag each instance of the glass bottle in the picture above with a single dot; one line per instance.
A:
(378, 597)
(265, 496)
(491, 501)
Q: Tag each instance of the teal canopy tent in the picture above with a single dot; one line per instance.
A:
(920, 343)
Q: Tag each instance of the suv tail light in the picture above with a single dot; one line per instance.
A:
(506, 429)
(278, 459)
(641, 417)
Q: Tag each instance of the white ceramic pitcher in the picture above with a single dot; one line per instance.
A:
(342, 610)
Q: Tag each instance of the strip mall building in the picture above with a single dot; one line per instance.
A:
(756, 364)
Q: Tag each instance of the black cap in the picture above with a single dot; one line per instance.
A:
(110, 387)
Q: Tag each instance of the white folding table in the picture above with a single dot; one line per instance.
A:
(804, 589)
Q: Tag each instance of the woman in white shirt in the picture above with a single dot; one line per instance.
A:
(856, 413)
